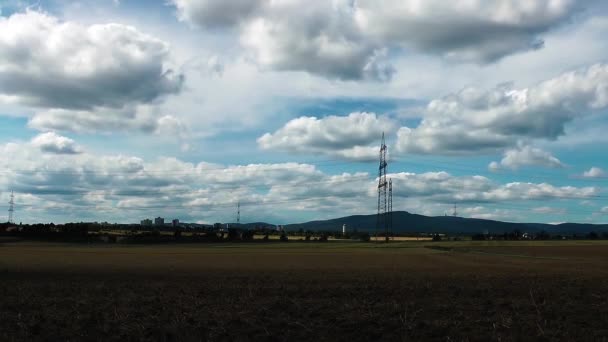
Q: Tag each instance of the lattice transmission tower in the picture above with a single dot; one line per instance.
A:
(11, 207)
(389, 230)
(382, 222)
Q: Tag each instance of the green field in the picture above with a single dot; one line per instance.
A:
(445, 291)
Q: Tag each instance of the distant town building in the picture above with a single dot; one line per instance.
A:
(146, 222)
(159, 221)
(175, 223)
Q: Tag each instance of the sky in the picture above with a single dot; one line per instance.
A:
(127, 109)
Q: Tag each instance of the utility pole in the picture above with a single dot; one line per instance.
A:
(381, 219)
(11, 207)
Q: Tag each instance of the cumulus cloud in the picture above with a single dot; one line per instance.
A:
(446, 188)
(319, 37)
(100, 120)
(348, 40)
(471, 31)
(145, 119)
(61, 64)
(526, 156)
(316, 37)
(51, 142)
(97, 78)
(354, 137)
(474, 120)
(125, 188)
(549, 210)
(481, 212)
(216, 13)
(99, 185)
(594, 172)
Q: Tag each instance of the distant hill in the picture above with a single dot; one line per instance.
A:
(404, 222)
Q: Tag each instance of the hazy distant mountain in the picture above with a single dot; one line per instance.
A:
(404, 222)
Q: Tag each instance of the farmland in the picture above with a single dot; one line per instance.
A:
(477, 291)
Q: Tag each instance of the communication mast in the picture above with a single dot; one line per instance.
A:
(455, 212)
(238, 212)
(381, 219)
(11, 207)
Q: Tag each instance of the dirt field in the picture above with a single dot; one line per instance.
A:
(469, 291)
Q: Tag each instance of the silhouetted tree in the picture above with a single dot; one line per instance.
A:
(233, 234)
(364, 237)
(284, 237)
(543, 235)
(247, 235)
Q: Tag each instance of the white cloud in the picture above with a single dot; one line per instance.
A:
(60, 64)
(594, 172)
(125, 188)
(480, 212)
(474, 121)
(216, 13)
(173, 128)
(143, 118)
(347, 40)
(477, 31)
(549, 210)
(539, 191)
(317, 37)
(51, 142)
(445, 188)
(356, 136)
(215, 66)
(526, 156)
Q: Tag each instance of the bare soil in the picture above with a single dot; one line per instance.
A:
(289, 292)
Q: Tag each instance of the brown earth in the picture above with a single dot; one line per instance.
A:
(288, 292)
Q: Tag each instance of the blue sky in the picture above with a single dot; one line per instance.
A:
(121, 110)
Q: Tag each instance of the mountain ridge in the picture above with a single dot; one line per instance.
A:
(405, 222)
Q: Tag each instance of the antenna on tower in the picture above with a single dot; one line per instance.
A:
(238, 212)
(381, 219)
(11, 207)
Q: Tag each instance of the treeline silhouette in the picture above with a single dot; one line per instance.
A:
(133, 233)
(517, 235)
